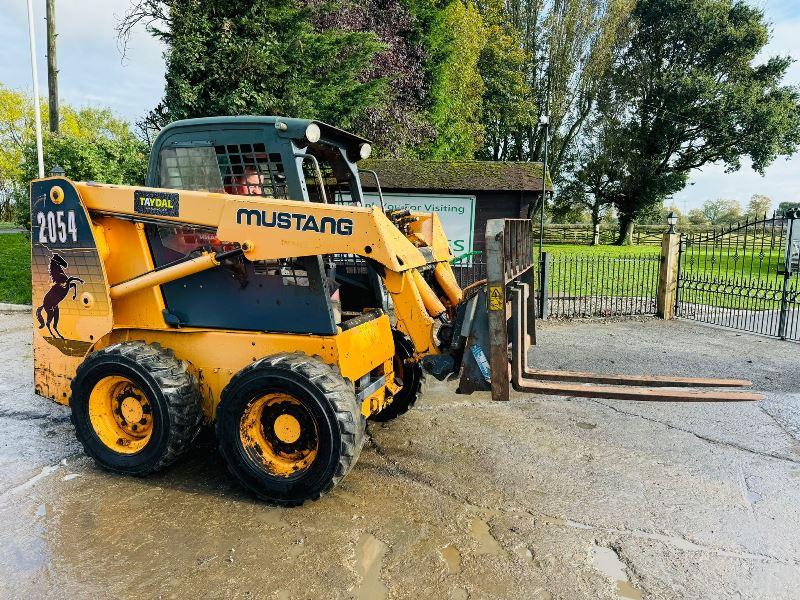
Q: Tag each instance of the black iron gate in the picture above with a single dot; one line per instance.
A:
(744, 277)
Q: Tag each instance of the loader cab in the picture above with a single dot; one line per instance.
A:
(293, 159)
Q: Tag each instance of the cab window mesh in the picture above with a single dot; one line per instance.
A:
(249, 170)
(190, 168)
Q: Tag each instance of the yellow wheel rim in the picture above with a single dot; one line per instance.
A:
(121, 414)
(278, 433)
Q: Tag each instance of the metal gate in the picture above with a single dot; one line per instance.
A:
(744, 277)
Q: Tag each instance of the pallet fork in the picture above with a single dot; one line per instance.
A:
(499, 320)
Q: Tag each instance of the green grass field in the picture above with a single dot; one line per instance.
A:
(743, 278)
(577, 250)
(15, 268)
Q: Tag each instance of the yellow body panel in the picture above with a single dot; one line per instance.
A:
(217, 355)
(117, 251)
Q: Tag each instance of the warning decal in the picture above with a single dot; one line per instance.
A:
(495, 297)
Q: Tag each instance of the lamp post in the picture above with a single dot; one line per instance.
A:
(544, 124)
(37, 117)
(672, 220)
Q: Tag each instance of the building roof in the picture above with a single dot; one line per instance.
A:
(453, 175)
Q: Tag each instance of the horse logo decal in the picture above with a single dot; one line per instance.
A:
(62, 284)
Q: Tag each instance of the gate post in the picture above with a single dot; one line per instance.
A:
(668, 275)
(544, 280)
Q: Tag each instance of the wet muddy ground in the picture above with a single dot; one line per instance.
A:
(537, 498)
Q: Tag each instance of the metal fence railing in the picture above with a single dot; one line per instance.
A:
(600, 286)
(739, 277)
(585, 286)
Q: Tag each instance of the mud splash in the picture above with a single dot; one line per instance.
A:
(486, 542)
(452, 558)
(369, 558)
(607, 561)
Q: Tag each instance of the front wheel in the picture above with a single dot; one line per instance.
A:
(289, 428)
(135, 406)
(410, 373)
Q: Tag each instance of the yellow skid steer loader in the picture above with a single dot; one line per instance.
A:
(247, 285)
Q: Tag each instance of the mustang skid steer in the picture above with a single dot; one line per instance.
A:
(248, 285)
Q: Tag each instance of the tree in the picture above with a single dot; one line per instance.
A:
(569, 46)
(722, 211)
(692, 95)
(398, 125)
(697, 217)
(758, 206)
(508, 101)
(593, 177)
(233, 57)
(785, 207)
(456, 41)
(92, 144)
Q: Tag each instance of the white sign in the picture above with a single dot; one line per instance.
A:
(457, 214)
(793, 246)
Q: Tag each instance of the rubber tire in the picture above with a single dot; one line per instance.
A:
(171, 389)
(329, 398)
(414, 378)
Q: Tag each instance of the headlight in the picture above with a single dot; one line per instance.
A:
(313, 133)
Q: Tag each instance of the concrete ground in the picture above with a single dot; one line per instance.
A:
(538, 498)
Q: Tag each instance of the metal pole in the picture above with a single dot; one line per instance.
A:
(35, 76)
(52, 68)
(545, 122)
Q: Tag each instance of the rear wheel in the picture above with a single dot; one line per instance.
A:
(411, 374)
(135, 407)
(289, 428)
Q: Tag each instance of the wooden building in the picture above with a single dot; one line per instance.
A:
(500, 189)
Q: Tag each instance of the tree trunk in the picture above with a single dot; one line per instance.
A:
(595, 225)
(625, 237)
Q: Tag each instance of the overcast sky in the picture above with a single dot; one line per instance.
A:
(93, 72)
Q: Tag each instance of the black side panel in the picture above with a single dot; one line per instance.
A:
(215, 298)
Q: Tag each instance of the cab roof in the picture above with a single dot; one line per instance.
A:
(329, 132)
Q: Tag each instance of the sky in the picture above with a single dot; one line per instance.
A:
(94, 72)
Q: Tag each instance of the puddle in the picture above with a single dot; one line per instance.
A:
(608, 563)
(369, 556)
(452, 557)
(486, 542)
(459, 594)
(584, 425)
(523, 552)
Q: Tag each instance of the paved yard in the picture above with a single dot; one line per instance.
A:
(538, 498)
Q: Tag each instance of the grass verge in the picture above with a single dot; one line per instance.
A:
(15, 268)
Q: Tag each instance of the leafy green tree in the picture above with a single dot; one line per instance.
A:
(568, 45)
(692, 95)
(722, 211)
(785, 207)
(233, 57)
(508, 100)
(456, 41)
(398, 125)
(92, 144)
(758, 206)
(697, 217)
